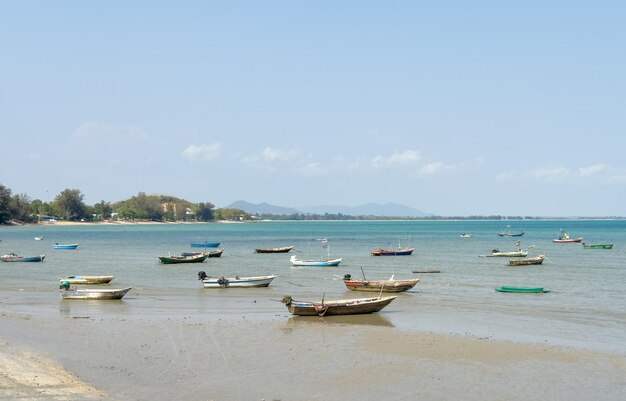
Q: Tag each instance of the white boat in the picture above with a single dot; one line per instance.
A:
(235, 282)
(466, 235)
(520, 253)
(87, 279)
(313, 262)
(92, 293)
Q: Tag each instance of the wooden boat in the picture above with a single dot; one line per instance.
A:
(520, 253)
(65, 246)
(235, 282)
(282, 249)
(392, 252)
(337, 307)
(597, 246)
(88, 279)
(183, 259)
(11, 257)
(390, 285)
(312, 262)
(522, 289)
(507, 233)
(565, 238)
(212, 254)
(205, 244)
(92, 293)
(536, 260)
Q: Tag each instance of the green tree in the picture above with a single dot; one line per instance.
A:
(102, 210)
(5, 205)
(20, 208)
(70, 205)
(204, 212)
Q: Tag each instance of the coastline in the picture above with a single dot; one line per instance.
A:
(190, 358)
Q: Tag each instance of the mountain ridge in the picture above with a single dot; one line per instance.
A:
(389, 209)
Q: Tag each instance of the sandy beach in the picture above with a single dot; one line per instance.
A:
(286, 358)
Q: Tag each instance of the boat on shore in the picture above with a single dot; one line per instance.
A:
(204, 244)
(12, 257)
(522, 289)
(87, 279)
(535, 260)
(173, 259)
(564, 238)
(337, 307)
(282, 249)
(92, 293)
(64, 246)
(389, 285)
(235, 282)
(597, 246)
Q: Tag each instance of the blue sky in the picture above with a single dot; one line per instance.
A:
(453, 107)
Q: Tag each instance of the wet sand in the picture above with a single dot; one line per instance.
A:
(201, 357)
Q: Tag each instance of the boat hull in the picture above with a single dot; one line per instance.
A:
(238, 282)
(388, 252)
(313, 263)
(528, 290)
(283, 249)
(597, 246)
(567, 241)
(537, 260)
(339, 307)
(11, 258)
(88, 279)
(212, 254)
(95, 294)
(65, 246)
(204, 244)
(170, 260)
(516, 254)
(381, 285)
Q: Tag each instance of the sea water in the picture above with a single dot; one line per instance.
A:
(586, 308)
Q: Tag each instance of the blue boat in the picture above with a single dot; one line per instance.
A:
(12, 257)
(65, 246)
(205, 244)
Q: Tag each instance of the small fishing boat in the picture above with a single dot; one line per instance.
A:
(282, 249)
(212, 254)
(536, 260)
(520, 253)
(565, 238)
(597, 246)
(92, 293)
(390, 285)
(522, 289)
(466, 235)
(313, 262)
(235, 282)
(87, 279)
(12, 257)
(393, 252)
(173, 259)
(337, 307)
(64, 246)
(205, 244)
(507, 233)
(38, 238)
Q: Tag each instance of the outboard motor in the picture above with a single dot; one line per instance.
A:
(65, 285)
(201, 275)
(347, 277)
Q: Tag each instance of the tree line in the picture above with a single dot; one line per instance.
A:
(69, 205)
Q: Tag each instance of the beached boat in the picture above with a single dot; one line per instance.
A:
(535, 260)
(212, 254)
(282, 249)
(337, 307)
(522, 289)
(315, 262)
(565, 238)
(393, 252)
(205, 244)
(390, 285)
(87, 279)
(64, 246)
(92, 293)
(173, 259)
(597, 246)
(235, 282)
(12, 257)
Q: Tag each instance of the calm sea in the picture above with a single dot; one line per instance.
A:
(586, 308)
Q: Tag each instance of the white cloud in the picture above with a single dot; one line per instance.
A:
(202, 152)
(397, 158)
(272, 155)
(592, 170)
(431, 168)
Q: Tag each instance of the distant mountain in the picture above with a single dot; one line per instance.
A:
(368, 209)
(261, 208)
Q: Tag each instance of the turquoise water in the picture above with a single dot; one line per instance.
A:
(586, 308)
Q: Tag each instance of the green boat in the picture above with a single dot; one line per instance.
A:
(522, 289)
(597, 246)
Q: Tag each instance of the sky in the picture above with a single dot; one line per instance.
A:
(454, 108)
